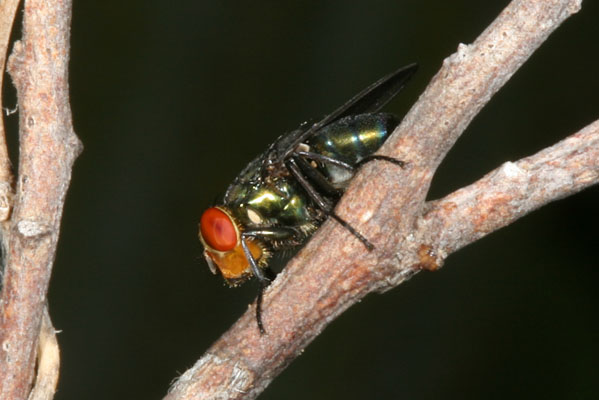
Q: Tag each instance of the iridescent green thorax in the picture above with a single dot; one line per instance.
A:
(258, 201)
(273, 202)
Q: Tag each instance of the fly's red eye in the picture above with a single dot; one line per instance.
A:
(218, 230)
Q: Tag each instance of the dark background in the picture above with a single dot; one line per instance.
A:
(172, 99)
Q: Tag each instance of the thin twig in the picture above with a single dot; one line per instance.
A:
(385, 204)
(8, 9)
(510, 192)
(48, 148)
(48, 362)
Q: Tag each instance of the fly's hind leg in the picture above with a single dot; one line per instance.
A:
(323, 204)
(350, 167)
(299, 167)
(374, 157)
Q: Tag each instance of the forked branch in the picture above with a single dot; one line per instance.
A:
(388, 206)
(511, 191)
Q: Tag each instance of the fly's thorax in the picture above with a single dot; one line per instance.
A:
(276, 201)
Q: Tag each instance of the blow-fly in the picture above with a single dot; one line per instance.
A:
(286, 193)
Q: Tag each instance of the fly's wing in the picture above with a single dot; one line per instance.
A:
(369, 100)
(248, 177)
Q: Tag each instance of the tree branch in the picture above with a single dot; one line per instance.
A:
(510, 192)
(48, 148)
(8, 9)
(387, 205)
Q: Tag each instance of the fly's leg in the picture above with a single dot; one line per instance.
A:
(264, 282)
(349, 167)
(351, 230)
(374, 157)
(327, 207)
(314, 176)
(259, 308)
(256, 270)
(325, 159)
(274, 233)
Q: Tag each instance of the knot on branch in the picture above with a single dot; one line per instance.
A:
(30, 228)
(75, 144)
(429, 258)
(15, 63)
(6, 198)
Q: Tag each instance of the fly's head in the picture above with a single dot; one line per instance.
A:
(220, 233)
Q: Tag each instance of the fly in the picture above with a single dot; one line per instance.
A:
(287, 192)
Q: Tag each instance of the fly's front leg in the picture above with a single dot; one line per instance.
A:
(275, 233)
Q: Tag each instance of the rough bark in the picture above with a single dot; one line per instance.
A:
(8, 9)
(48, 147)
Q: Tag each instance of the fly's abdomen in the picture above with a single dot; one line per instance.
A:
(350, 140)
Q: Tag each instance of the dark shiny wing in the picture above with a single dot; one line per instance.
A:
(369, 100)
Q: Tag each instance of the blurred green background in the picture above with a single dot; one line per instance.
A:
(172, 99)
